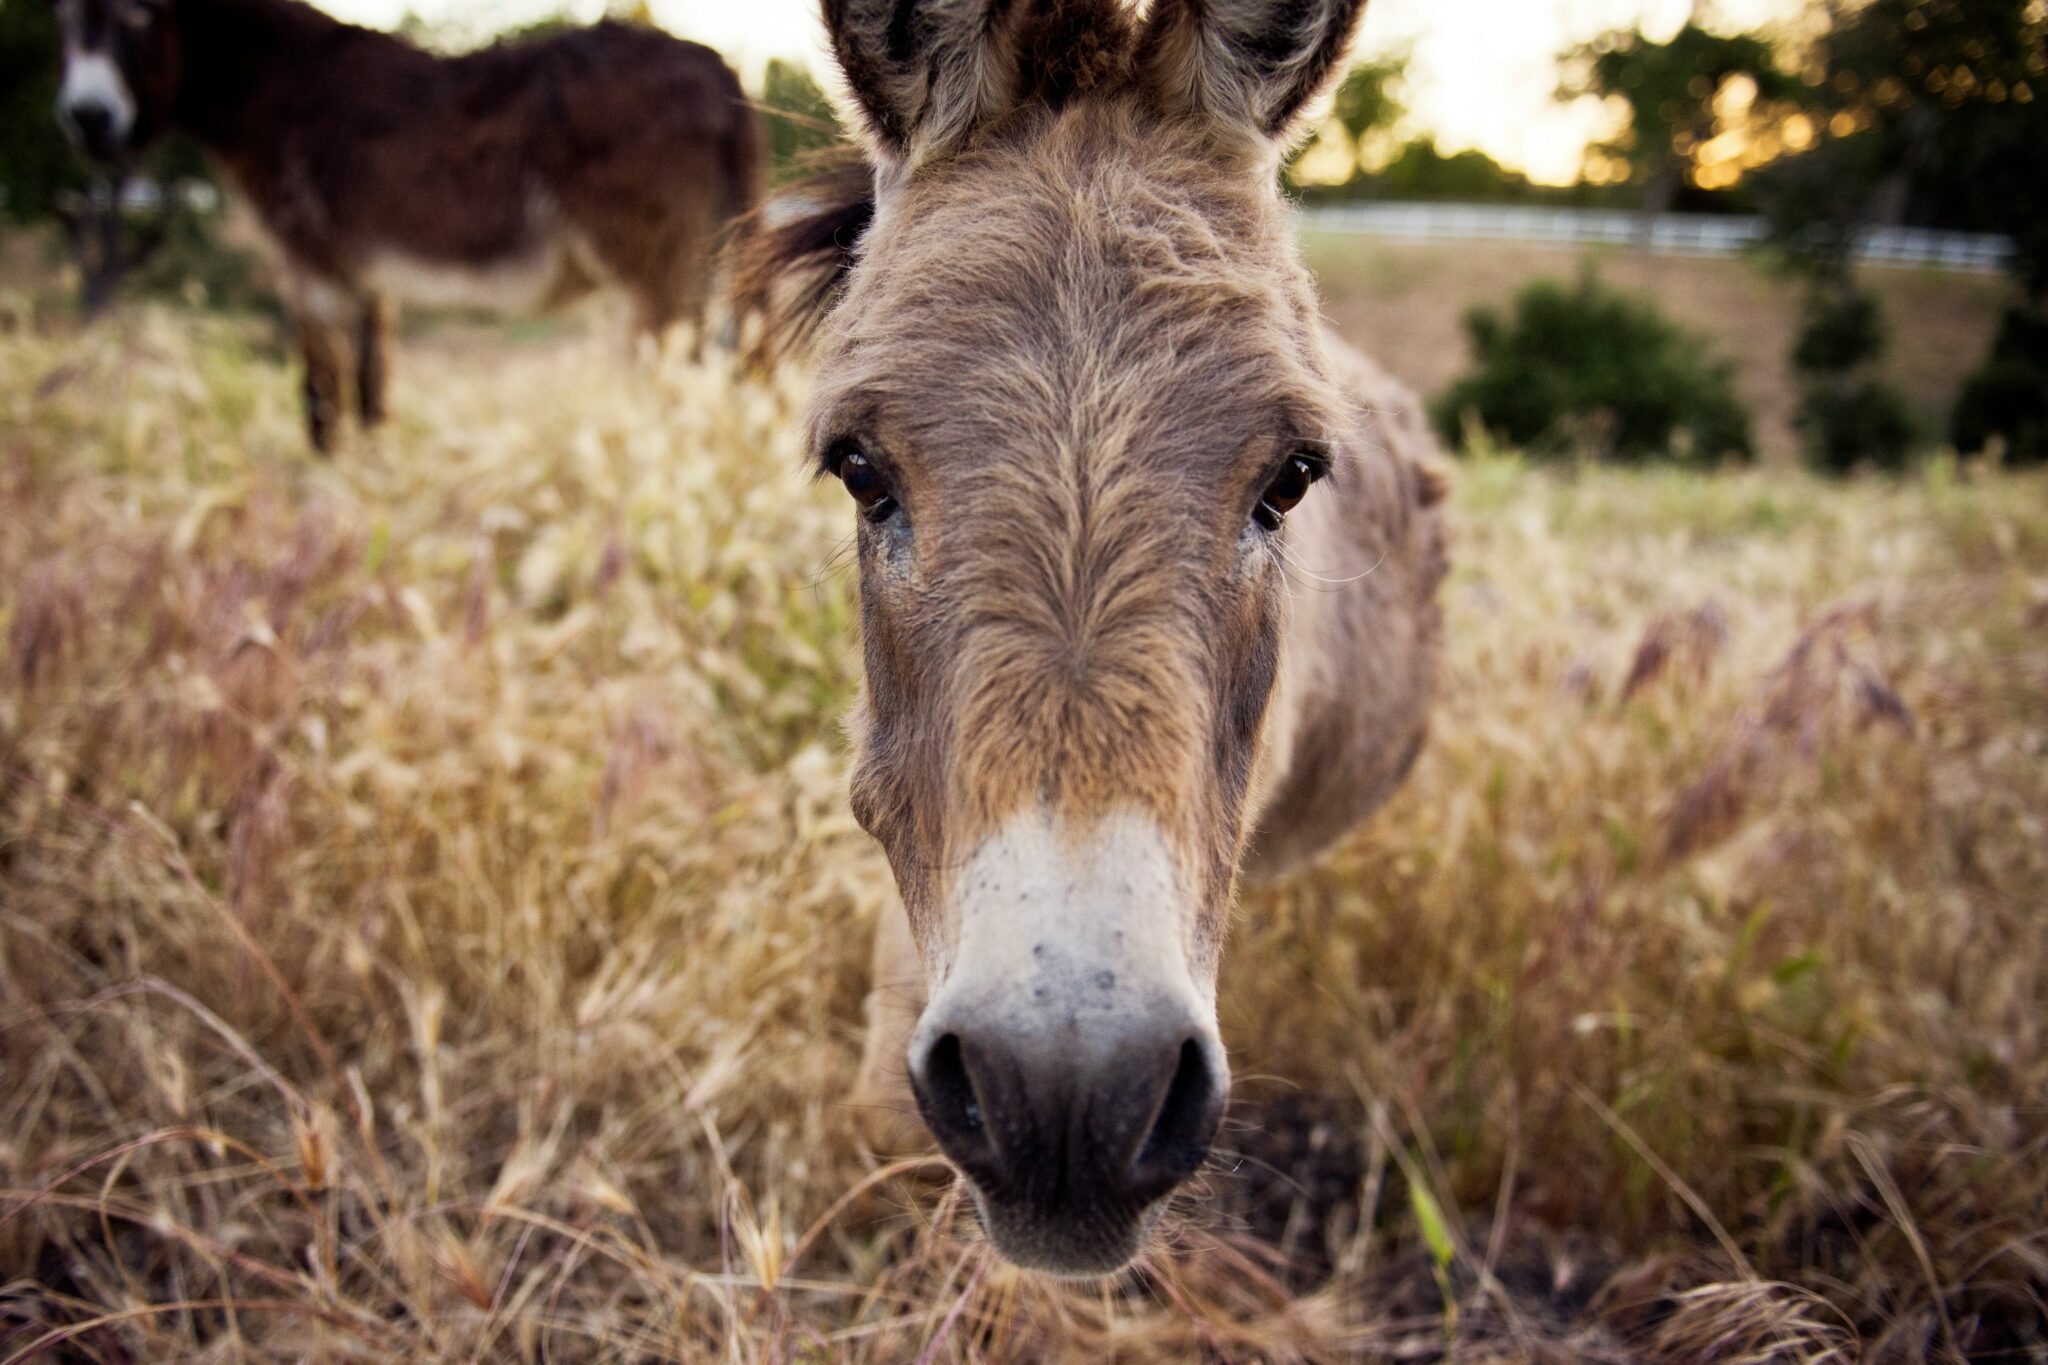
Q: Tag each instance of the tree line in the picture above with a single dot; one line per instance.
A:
(1862, 113)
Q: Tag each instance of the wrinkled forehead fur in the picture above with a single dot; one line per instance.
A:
(1075, 279)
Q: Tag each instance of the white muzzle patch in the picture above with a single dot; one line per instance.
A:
(1096, 921)
(1069, 1062)
(93, 82)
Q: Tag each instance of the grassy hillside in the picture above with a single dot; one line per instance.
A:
(1406, 302)
(431, 926)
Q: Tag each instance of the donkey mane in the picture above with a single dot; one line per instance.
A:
(791, 255)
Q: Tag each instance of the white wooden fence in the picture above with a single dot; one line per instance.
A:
(1673, 234)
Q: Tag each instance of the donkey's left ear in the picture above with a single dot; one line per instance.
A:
(925, 73)
(1251, 65)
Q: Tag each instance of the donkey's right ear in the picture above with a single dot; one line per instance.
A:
(1251, 66)
(925, 73)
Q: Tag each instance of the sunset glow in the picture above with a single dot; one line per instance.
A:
(1483, 72)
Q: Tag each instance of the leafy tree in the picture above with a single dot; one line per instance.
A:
(1924, 111)
(1847, 415)
(801, 120)
(1363, 114)
(36, 164)
(1369, 101)
(1420, 171)
(2007, 400)
(1585, 367)
(1675, 92)
(1854, 423)
(1840, 334)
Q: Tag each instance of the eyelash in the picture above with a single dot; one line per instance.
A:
(1311, 466)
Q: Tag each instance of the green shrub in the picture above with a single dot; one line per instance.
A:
(1848, 425)
(1849, 417)
(1582, 367)
(1841, 332)
(2007, 399)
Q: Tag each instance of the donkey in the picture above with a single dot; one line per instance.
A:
(518, 177)
(1148, 562)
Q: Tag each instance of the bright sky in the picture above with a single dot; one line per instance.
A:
(1482, 74)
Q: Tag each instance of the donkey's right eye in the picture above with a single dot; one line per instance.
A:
(865, 484)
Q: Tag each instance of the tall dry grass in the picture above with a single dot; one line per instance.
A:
(431, 926)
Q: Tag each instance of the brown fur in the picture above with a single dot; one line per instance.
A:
(1074, 332)
(1096, 434)
(609, 155)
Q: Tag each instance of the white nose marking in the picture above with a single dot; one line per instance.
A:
(91, 78)
(1097, 919)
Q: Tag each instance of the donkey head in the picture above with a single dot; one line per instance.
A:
(121, 65)
(1073, 383)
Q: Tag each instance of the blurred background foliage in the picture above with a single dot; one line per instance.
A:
(801, 121)
(1885, 113)
(1846, 116)
(1682, 97)
(2008, 398)
(35, 164)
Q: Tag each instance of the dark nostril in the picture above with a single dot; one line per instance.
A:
(952, 1089)
(92, 118)
(946, 1094)
(1180, 1136)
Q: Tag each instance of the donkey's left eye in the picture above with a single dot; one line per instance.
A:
(865, 484)
(1286, 491)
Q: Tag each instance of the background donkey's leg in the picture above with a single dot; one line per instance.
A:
(373, 359)
(883, 1106)
(665, 269)
(324, 347)
(677, 288)
(692, 286)
(320, 311)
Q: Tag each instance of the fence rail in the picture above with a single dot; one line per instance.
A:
(1673, 234)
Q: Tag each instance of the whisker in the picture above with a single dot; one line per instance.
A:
(1289, 564)
(835, 563)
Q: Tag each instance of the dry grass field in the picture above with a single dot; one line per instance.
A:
(431, 926)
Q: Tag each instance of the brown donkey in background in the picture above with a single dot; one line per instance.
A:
(1118, 648)
(513, 178)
